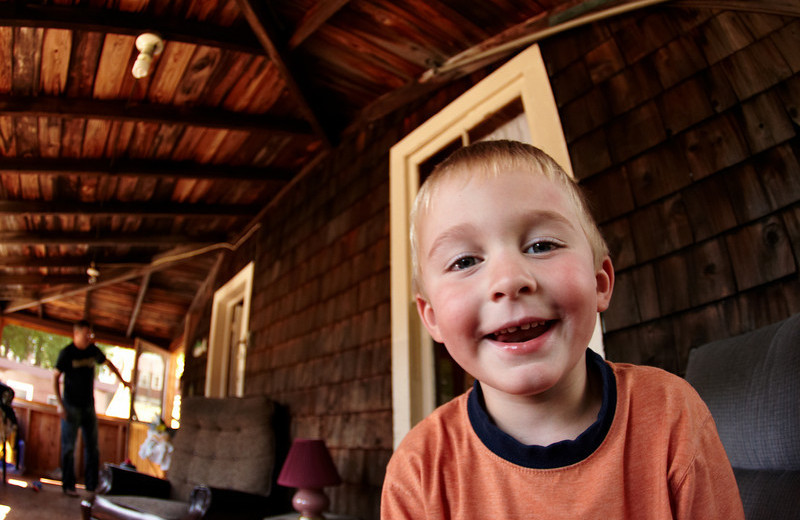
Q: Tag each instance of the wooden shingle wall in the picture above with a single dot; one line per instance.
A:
(320, 314)
(682, 125)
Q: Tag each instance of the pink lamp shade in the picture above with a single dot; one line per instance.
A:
(309, 468)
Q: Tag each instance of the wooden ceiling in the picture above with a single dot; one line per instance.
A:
(148, 179)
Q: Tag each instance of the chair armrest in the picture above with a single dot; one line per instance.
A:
(115, 480)
(225, 504)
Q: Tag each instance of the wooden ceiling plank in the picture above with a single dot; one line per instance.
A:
(41, 106)
(126, 209)
(138, 306)
(261, 24)
(87, 19)
(70, 261)
(139, 168)
(60, 294)
(55, 61)
(39, 279)
(314, 18)
(108, 239)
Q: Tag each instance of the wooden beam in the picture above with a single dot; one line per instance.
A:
(261, 23)
(138, 306)
(42, 279)
(64, 328)
(206, 117)
(314, 19)
(141, 168)
(106, 239)
(71, 261)
(48, 296)
(113, 208)
(84, 18)
(567, 15)
(776, 7)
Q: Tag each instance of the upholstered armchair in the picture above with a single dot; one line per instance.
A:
(750, 383)
(223, 466)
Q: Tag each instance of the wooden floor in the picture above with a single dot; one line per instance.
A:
(21, 499)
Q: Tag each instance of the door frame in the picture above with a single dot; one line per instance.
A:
(239, 288)
(524, 77)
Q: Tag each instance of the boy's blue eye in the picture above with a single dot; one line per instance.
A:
(541, 246)
(464, 263)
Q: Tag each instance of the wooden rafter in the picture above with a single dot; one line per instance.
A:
(314, 19)
(52, 295)
(139, 299)
(58, 327)
(206, 117)
(115, 208)
(107, 239)
(42, 279)
(140, 168)
(110, 21)
(7, 262)
(262, 25)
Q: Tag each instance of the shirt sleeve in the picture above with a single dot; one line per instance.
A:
(99, 357)
(401, 497)
(708, 489)
(61, 361)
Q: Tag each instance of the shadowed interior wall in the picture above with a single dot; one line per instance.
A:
(682, 124)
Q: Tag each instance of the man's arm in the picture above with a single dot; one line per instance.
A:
(113, 369)
(57, 387)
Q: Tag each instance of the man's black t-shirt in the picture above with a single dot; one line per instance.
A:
(78, 368)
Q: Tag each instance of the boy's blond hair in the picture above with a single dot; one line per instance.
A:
(490, 159)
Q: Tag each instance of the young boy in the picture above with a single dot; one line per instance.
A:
(510, 272)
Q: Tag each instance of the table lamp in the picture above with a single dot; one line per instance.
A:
(309, 468)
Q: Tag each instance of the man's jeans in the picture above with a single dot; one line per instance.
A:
(85, 419)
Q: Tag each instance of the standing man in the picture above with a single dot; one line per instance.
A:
(76, 363)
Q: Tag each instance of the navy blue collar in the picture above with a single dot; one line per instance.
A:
(559, 454)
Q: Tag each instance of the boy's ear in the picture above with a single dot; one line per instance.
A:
(605, 284)
(428, 316)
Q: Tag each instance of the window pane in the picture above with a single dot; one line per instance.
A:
(149, 386)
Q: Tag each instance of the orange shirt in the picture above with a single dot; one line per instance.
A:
(661, 458)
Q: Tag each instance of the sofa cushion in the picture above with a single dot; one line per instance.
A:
(750, 383)
(769, 494)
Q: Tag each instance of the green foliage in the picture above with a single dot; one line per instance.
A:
(32, 346)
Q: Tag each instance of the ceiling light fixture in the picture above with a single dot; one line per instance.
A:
(149, 45)
(93, 273)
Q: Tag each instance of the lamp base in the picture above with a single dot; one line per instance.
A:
(310, 503)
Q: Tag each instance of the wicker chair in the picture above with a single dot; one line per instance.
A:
(223, 466)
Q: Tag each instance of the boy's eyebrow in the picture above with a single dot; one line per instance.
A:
(532, 216)
(450, 233)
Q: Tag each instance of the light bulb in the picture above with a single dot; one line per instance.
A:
(141, 67)
(149, 45)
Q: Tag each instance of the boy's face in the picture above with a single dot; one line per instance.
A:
(511, 287)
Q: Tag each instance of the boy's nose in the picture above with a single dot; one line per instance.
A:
(511, 278)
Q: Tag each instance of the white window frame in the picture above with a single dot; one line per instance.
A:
(239, 288)
(524, 77)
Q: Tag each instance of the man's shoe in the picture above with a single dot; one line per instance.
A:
(71, 493)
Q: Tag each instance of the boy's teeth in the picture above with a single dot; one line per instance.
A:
(524, 326)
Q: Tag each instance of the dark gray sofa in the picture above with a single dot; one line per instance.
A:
(751, 384)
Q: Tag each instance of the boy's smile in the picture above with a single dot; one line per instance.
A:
(509, 281)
